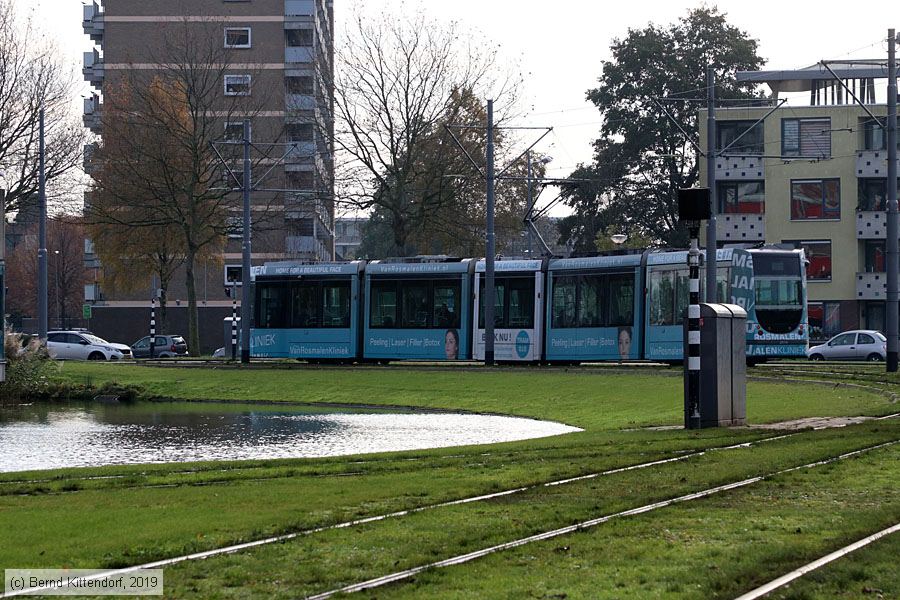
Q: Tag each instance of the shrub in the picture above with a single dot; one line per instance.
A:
(27, 368)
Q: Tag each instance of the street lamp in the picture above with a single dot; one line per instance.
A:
(56, 269)
(618, 239)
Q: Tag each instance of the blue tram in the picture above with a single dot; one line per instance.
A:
(518, 310)
(769, 283)
(777, 318)
(307, 311)
(594, 309)
(600, 308)
(419, 310)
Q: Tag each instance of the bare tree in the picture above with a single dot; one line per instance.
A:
(124, 252)
(157, 167)
(32, 77)
(66, 274)
(397, 79)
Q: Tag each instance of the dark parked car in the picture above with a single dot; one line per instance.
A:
(164, 346)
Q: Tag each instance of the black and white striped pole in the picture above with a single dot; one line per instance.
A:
(693, 329)
(152, 326)
(693, 207)
(234, 340)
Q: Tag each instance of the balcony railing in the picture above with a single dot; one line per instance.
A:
(93, 69)
(871, 286)
(92, 113)
(308, 246)
(92, 22)
(871, 225)
(89, 151)
(739, 168)
(871, 163)
(296, 8)
(737, 227)
(299, 54)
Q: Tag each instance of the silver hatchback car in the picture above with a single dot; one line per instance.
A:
(863, 344)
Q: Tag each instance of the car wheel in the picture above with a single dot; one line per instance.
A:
(96, 356)
(816, 357)
(874, 357)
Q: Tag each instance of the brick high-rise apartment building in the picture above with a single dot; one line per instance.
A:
(277, 52)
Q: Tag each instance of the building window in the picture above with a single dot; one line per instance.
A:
(806, 137)
(300, 180)
(744, 197)
(874, 316)
(824, 320)
(874, 259)
(237, 37)
(815, 199)
(299, 132)
(237, 85)
(234, 132)
(818, 255)
(234, 227)
(233, 179)
(302, 85)
(749, 132)
(874, 135)
(872, 194)
(298, 38)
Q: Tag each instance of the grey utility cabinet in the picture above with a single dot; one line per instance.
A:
(723, 366)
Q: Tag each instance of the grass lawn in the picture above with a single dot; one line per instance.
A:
(714, 548)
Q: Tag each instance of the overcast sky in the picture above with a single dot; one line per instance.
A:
(560, 44)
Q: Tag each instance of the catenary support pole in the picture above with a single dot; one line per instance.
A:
(245, 251)
(530, 205)
(489, 251)
(893, 252)
(692, 418)
(234, 318)
(2, 285)
(153, 327)
(711, 287)
(42, 235)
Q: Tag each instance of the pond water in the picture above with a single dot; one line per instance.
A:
(43, 436)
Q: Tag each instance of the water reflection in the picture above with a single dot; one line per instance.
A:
(49, 436)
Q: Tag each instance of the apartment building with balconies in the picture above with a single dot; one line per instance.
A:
(812, 176)
(277, 53)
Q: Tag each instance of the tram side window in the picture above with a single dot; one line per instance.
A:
(336, 304)
(621, 300)
(500, 289)
(682, 296)
(447, 305)
(563, 302)
(662, 297)
(414, 305)
(305, 306)
(590, 301)
(723, 275)
(521, 302)
(272, 306)
(384, 304)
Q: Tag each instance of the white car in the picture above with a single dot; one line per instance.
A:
(81, 345)
(851, 345)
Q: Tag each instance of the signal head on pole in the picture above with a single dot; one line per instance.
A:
(694, 205)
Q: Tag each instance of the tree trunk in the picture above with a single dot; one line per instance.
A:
(400, 235)
(193, 329)
(164, 288)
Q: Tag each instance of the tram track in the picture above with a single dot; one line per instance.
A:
(234, 548)
(583, 525)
